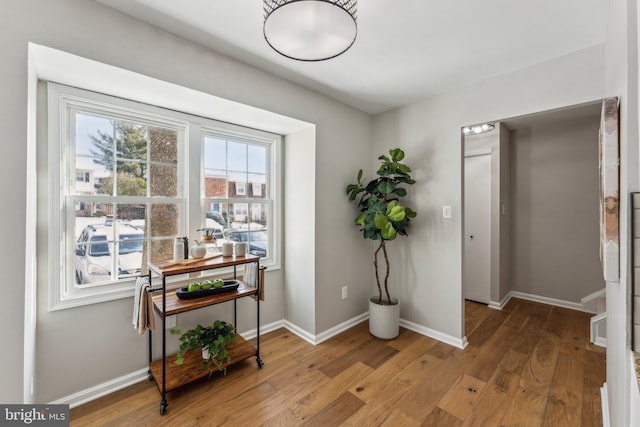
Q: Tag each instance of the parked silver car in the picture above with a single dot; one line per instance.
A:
(96, 246)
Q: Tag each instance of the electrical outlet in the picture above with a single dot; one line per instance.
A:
(446, 211)
(345, 293)
(170, 322)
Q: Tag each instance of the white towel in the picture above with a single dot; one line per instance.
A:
(251, 278)
(143, 318)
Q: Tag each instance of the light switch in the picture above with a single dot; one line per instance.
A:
(446, 211)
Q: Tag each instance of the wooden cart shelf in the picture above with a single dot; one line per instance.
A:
(175, 305)
(166, 373)
(191, 368)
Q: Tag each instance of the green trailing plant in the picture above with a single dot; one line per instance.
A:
(382, 215)
(213, 338)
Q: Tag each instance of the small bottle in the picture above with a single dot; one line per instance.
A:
(178, 249)
(185, 244)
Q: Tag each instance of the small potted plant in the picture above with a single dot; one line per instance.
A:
(212, 340)
(382, 217)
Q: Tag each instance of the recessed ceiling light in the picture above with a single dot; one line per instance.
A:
(476, 129)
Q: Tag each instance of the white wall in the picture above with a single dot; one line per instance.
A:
(79, 348)
(426, 266)
(554, 204)
(621, 79)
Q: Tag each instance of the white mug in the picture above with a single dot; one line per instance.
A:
(241, 249)
(198, 251)
(227, 249)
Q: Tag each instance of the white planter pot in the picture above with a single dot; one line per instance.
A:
(205, 353)
(384, 320)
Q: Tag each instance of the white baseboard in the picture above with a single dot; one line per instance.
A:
(500, 305)
(264, 329)
(323, 336)
(604, 398)
(436, 335)
(95, 392)
(546, 300)
(331, 332)
(307, 336)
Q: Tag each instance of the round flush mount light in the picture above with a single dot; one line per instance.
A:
(310, 30)
(476, 129)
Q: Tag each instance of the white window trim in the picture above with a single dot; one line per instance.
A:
(63, 291)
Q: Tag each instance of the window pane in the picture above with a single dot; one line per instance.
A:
(238, 214)
(237, 156)
(258, 213)
(163, 145)
(215, 183)
(165, 220)
(93, 144)
(131, 140)
(161, 250)
(89, 214)
(257, 186)
(163, 181)
(237, 185)
(252, 229)
(215, 153)
(97, 246)
(131, 180)
(257, 159)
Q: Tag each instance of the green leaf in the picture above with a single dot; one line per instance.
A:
(404, 168)
(381, 221)
(410, 213)
(385, 158)
(396, 154)
(360, 219)
(388, 232)
(359, 176)
(395, 212)
(400, 192)
(386, 187)
(372, 234)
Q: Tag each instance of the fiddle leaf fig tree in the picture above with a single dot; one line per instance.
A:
(382, 215)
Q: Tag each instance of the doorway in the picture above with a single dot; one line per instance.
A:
(544, 222)
(476, 280)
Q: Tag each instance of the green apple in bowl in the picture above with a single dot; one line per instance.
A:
(218, 283)
(193, 287)
(207, 284)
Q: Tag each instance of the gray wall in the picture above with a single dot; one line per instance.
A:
(80, 348)
(427, 266)
(554, 204)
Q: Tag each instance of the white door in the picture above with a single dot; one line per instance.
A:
(476, 273)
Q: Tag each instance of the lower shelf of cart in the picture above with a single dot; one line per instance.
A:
(191, 369)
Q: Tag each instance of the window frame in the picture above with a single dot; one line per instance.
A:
(63, 101)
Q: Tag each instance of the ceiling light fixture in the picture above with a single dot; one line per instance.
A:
(310, 30)
(474, 130)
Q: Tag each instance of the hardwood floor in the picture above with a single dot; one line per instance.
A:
(528, 365)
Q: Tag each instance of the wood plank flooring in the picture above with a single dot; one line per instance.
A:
(528, 365)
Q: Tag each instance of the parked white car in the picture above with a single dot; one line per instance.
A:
(96, 246)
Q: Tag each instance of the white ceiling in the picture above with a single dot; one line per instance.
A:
(406, 50)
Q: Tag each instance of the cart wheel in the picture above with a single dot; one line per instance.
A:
(260, 363)
(163, 407)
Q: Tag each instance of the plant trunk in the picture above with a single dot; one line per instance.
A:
(375, 264)
(386, 276)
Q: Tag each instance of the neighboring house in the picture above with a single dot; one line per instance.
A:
(239, 212)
